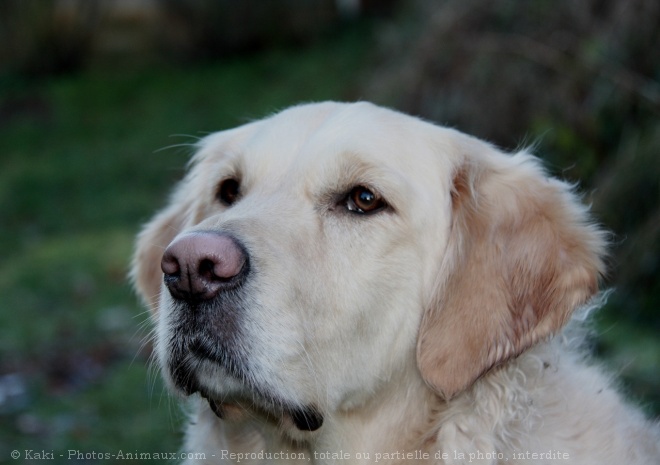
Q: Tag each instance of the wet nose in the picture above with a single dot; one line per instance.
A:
(197, 266)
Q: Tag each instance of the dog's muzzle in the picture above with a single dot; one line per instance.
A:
(201, 269)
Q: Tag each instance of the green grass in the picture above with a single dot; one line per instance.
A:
(79, 173)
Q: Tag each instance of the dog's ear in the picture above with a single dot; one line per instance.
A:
(521, 257)
(155, 236)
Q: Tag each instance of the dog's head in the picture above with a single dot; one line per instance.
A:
(309, 257)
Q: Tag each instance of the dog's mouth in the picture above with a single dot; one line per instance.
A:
(185, 370)
(307, 418)
(304, 418)
(216, 407)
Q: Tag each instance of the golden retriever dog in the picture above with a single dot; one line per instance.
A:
(342, 283)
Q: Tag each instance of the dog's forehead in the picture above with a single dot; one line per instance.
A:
(314, 137)
(316, 149)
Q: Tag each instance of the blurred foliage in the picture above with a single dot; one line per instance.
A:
(213, 28)
(45, 37)
(37, 39)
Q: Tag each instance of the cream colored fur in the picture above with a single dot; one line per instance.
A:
(435, 327)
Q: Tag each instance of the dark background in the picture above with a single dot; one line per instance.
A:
(100, 101)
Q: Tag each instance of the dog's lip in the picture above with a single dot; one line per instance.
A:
(216, 407)
(304, 418)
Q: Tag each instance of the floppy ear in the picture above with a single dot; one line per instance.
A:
(521, 257)
(152, 241)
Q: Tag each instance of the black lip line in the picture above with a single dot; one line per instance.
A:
(306, 418)
(215, 407)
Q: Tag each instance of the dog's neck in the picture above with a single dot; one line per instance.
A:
(353, 433)
(406, 414)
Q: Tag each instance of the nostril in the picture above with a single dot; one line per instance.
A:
(170, 265)
(206, 269)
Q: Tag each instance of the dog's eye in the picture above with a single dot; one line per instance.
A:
(228, 191)
(362, 200)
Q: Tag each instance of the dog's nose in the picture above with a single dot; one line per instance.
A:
(198, 265)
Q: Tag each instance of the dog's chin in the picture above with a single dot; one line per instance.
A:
(302, 419)
(226, 394)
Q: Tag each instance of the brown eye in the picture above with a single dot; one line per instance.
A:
(362, 200)
(228, 191)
